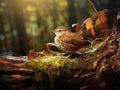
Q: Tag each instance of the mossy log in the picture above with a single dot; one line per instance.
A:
(99, 70)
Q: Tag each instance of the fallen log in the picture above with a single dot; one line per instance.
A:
(14, 75)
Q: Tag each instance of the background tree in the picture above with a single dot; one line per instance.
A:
(20, 25)
(71, 12)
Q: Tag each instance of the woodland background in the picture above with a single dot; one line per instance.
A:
(26, 24)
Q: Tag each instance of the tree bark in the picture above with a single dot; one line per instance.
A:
(14, 75)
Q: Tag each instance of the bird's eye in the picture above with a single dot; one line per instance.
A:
(60, 30)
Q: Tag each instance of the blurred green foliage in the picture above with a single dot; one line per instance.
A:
(26, 24)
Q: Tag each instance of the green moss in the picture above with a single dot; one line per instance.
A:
(49, 68)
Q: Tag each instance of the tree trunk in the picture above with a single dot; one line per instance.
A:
(20, 26)
(71, 12)
(14, 37)
(4, 45)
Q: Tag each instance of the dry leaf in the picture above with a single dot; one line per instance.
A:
(92, 31)
(98, 21)
(89, 23)
(89, 26)
(101, 21)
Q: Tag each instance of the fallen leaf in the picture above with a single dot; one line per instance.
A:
(92, 31)
(101, 20)
(89, 23)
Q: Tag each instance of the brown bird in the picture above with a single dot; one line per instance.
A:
(68, 41)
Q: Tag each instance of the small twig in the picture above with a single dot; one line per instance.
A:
(92, 5)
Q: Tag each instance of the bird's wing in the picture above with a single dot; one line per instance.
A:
(72, 40)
